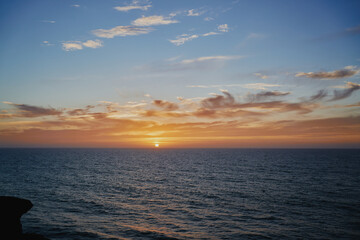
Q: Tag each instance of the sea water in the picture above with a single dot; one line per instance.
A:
(186, 193)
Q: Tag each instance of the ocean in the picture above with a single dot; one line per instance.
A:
(88, 194)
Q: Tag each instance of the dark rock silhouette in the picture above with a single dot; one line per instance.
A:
(11, 210)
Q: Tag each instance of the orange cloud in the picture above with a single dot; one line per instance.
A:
(215, 121)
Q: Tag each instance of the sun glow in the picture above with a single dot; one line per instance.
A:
(157, 145)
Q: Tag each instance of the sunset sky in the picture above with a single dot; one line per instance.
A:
(179, 73)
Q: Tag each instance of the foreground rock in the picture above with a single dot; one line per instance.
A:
(11, 210)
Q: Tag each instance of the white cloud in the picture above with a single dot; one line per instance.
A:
(194, 13)
(75, 5)
(259, 86)
(208, 19)
(180, 40)
(49, 21)
(72, 45)
(78, 45)
(210, 58)
(128, 8)
(262, 76)
(195, 64)
(135, 5)
(47, 43)
(223, 28)
(210, 34)
(93, 44)
(121, 31)
(153, 20)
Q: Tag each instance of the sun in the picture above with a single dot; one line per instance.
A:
(157, 145)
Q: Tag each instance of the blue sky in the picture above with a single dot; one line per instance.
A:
(70, 54)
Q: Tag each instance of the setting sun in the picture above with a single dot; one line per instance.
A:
(157, 145)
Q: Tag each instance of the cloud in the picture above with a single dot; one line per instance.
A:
(348, 71)
(257, 86)
(223, 28)
(49, 21)
(72, 45)
(260, 86)
(208, 19)
(262, 76)
(181, 39)
(75, 5)
(219, 101)
(29, 111)
(80, 111)
(47, 43)
(215, 86)
(121, 31)
(217, 120)
(228, 101)
(210, 34)
(93, 44)
(78, 45)
(347, 92)
(200, 63)
(193, 13)
(169, 106)
(265, 95)
(153, 20)
(135, 5)
(321, 94)
(211, 58)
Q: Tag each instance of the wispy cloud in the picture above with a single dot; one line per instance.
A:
(262, 76)
(194, 13)
(153, 20)
(264, 95)
(223, 28)
(210, 34)
(210, 58)
(256, 86)
(181, 39)
(169, 106)
(121, 31)
(260, 86)
(225, 117)
(200, 63)
(208, 19)
(135, 5)
(29, 111)
(47, 43)
(348, 90)
(227, 100)
(348, 71)
(75, 5)
(78, 45)
(49, 21)
(321, 94)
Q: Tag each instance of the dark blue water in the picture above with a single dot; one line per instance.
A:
(186, 194)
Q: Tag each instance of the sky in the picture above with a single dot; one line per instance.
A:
(179, 73)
